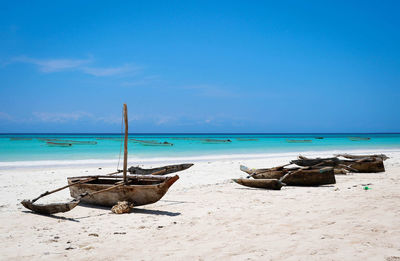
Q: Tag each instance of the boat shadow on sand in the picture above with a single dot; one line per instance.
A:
(52, 216)
(135, 210)
(290, 187)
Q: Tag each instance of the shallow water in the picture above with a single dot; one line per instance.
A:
(109, 146)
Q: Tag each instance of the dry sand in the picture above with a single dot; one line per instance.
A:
(204, 216)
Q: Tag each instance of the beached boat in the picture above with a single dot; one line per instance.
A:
(139, 189)
(296, 176)
(358, 138)
(108, 190)
(363, 165)
(358, 157)
(58, 144)
(309, 177)
(164, 170)
(257, 171)
(298, 141)
(273, 184)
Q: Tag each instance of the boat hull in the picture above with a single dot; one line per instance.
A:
(273, 184)
(312, 177)
(371, 165)
(168, 169)
(138, 194)
(297, 176)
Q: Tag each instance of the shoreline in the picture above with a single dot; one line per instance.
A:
(6, 165)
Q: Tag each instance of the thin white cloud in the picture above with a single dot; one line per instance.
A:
(81, 65)
(161, 120)
(5, 116)
(60, 117)
(53, 65)
(111, 71)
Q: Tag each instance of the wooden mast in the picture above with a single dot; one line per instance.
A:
(126, 142)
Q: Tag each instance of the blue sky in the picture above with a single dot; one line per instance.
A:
(200, 66)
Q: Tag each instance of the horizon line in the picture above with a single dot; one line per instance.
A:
(188, 133)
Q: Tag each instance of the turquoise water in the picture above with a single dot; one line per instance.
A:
(183, 145)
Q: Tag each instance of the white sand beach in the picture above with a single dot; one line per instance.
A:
(205, 216)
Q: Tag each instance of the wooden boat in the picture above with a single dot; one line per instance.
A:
(142, 141)
(273, 184)
(16, 138)
(309, 177)
(164, 170)
(258, 171)
(270, 173)
(364, 165)
(152, 143)
(108, 190)
(298, 141)
(137, 189)
(358, 157)
(358, 138)
(77, 142)
(163, 144)
(140, 190)
(48, 209)
(298, 176)
(58, 144)
(215, 141)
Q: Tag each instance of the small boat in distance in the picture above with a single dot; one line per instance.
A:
(152, 142)
(358, 138)
(298, 141)
(16, 138)
(215, 141)
(58, 144)
(77, 142)
(319, 138)
(164, 144)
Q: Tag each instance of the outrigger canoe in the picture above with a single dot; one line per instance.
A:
(108, 190)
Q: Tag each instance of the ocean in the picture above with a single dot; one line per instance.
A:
(38, 147)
